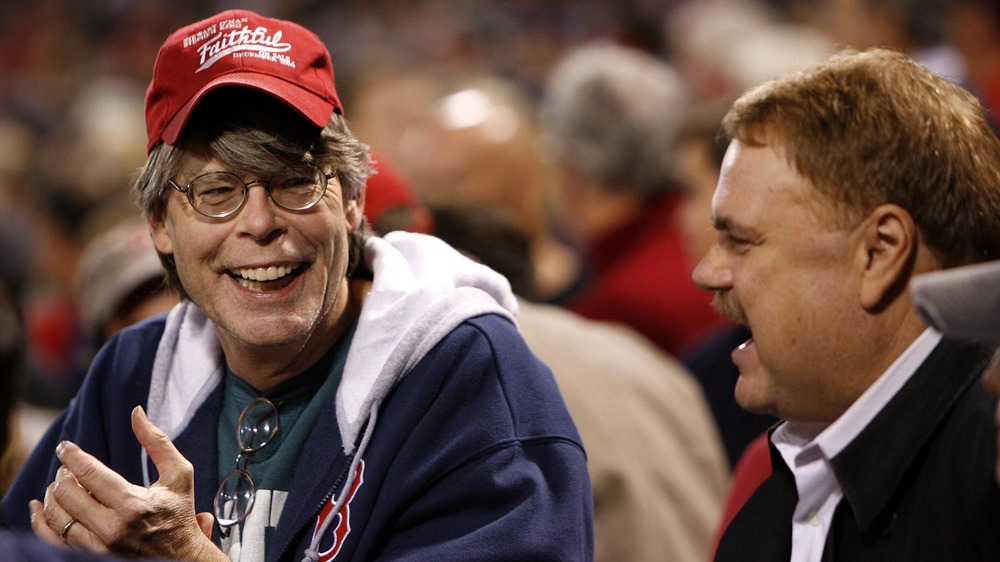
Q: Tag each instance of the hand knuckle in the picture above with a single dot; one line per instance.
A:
(111, 534)
(59, 491)
(49, 511)
(85, 470)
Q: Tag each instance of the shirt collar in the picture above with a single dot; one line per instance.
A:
(807, 448)
(844, 429)
(798, 441)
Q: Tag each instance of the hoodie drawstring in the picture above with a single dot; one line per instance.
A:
(312, 553)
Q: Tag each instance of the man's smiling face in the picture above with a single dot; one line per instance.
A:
(266, 277)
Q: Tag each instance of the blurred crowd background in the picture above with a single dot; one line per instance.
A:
(73, 75)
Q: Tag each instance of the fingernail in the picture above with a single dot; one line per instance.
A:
(62, 448)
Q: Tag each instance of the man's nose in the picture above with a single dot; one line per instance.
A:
(712, 272)
(259, 216)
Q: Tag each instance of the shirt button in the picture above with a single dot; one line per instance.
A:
(815, 520)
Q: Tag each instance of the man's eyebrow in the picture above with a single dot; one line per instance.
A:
(727, 225)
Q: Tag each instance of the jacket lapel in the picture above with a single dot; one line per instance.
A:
(898, 434)
(762, 529)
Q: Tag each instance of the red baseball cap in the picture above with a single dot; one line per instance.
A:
(242, 48)
(387, 189)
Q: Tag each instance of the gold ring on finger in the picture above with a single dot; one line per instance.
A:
(65, 529)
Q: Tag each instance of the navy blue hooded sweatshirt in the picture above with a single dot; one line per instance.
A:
(447, 439)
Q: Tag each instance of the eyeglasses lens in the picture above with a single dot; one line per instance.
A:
(235, 497)
(219, 194)
(258, 424)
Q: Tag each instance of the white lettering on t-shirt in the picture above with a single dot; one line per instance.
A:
(248, 543)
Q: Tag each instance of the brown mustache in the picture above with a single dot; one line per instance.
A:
(727, 306)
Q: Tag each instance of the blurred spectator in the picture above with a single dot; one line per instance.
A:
(915, 27)
(489, 235)
(701, 145)
(390, 109)
(478, 145)
(698, 35)
(17, 239)
(612, 115)
(121, 281)
(724, 47)
(973, 27)
(35, 256)
(390, 204)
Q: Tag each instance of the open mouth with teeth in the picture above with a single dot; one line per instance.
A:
(265, 278)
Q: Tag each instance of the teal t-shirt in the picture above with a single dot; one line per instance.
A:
(299, 402)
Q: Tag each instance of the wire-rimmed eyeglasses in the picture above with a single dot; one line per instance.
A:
(221, 194)
(257, 426)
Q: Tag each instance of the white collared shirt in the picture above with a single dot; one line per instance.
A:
(808, 448)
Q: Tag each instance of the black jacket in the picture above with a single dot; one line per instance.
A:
(918, 481)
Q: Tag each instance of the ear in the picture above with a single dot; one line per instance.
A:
(354, 211)
(159, 232)
(891, 239)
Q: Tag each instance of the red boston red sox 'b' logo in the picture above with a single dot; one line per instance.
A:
(343, 527)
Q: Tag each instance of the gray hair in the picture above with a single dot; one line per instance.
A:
(615, 113)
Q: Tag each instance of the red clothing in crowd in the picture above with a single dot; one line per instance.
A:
(753, 468)
(641, 276)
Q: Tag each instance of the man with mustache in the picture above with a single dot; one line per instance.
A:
(842, 182)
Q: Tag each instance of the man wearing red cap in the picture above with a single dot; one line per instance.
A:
(320, 393)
